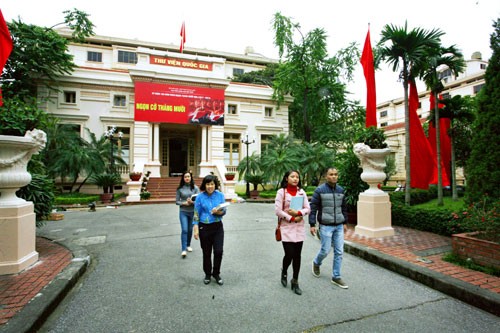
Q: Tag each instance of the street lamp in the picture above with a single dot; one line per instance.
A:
(247, 142)
(110, 135)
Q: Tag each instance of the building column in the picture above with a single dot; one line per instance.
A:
(154, 164)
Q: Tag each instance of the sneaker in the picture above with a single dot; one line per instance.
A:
(183, 254)
(340, 283)
(315, 269)
(190, 249)
(218, 279)
(206, 280)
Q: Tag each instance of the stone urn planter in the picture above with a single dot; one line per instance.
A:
(229, 176)
(15, 153)
(373, 164)
(374, 206)
(17, 217)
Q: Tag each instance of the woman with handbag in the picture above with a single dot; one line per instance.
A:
(184, 199)
(291, 205)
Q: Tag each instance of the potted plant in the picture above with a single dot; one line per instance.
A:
(256, 180)
(372, 150)
(229, 175)
(135, 176)
(106, 181)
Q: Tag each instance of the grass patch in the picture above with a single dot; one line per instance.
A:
(448, 204)
(79, 198)
(456, 260)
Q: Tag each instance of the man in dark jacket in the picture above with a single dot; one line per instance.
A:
(328, 208)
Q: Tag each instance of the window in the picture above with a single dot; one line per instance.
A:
(265, 140)
(419, 105)
(119, 100)
(231, 149)
(70, 128)
(482, 66)
(122, 144)
(127, 57)
(383, 124)
(445, 96)
(268, 112)
(70, 97)
(383, 114)
(94, 56)
(232, 109)
(477, 88)
(238, 71)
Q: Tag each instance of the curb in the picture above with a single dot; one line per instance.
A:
(473, 295)
(31, 317)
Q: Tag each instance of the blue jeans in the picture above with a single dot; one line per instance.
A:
(186, 219)
(331, 236)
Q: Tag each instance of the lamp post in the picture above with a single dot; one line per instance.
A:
(247, 142)
(110, 135)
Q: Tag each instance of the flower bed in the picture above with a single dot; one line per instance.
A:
(482, 252)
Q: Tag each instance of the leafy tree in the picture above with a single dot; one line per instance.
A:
(22, 74)
(407, 52)
(309, 76)
(265, 76)
(451, 58)
(253, 165)
(483, 173)
(460, 111)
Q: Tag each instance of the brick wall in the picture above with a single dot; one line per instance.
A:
(483, 252)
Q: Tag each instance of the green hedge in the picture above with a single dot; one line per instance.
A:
(439, 221)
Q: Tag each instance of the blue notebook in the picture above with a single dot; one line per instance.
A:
(297, 203)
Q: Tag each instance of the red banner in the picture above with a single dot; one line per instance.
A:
(167, 103)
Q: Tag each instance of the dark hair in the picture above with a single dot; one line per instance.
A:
(209, 179)
(182, 182)
(284, 181)
(328, 169)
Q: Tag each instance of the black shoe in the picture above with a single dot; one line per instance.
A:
(206, 280)
(295, 287)
(218, 279)
(283, 278)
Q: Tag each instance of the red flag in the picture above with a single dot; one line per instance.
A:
(445, 140)
(183, 37)
(422, 162)
(5, 46)
(369, 71)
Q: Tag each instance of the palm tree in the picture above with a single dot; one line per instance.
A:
(439, 58)
(280, 157)
(406, 50)
(314, 159)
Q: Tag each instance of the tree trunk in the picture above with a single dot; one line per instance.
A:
(453, 170)
(407, 141)
(307, 130)
(438, 150)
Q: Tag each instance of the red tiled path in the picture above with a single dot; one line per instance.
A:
(407, 242)
(17, 290)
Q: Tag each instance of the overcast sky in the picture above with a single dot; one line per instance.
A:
(232, 25)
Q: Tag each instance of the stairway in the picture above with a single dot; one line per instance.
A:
(165, 188)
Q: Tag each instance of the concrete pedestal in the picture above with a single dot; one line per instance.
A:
(134, 191)
(229, 189)
(17, 238)
(374, 215)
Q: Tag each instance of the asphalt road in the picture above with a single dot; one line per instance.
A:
(137, 282)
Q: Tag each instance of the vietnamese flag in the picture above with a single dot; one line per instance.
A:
(5, 46)
(183, 37)
(422, 161)
(369, 71)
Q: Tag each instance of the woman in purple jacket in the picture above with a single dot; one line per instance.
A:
(292, 224)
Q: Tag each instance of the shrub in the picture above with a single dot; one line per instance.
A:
(439, 221)
(41, 192)
(480, 217)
